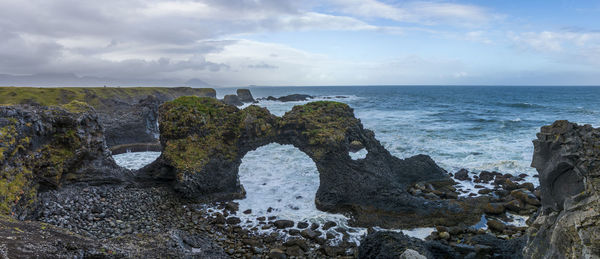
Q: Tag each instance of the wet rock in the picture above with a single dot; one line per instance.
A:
(328, 225)
(281, 224)
(486, 176)
(462, 175)
(233, 220)
(496, 225)
(314, 226)
(302, 225)
(310, 234)
(484, 191)
(494, 208)
(277, 254)
(248, 211)
(509, 185)
(525, 196)
(514, 205)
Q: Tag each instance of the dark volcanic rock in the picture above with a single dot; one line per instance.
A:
(45, 148)
(567, 159)
(129, 115)
(290, 98)
(462, 175)
(232, 99)
(245, 96)
(205, 140)
(393, 245)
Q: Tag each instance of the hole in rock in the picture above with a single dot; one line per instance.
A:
(361, 154)
(280, 180)
(136, 160)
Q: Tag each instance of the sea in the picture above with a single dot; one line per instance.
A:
(473, 127)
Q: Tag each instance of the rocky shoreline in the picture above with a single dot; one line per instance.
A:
(62, 195)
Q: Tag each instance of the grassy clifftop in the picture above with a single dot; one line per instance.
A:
(95, 96)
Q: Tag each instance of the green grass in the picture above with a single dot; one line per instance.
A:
(94, 96)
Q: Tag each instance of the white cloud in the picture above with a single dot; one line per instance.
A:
(552, 41)
(429, 13)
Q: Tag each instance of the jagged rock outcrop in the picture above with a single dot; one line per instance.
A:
(129, 115)
(47, 147)
(204, 141)
(393, 244)
(567, 158)
(245, 95)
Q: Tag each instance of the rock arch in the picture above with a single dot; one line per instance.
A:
(204, 141)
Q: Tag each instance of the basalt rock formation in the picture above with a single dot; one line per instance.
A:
(567, 158)
(129, 115)
(45, 148)
(397, 245)
(245, 95)
(204, 141)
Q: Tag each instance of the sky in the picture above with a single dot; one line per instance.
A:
(293, 42)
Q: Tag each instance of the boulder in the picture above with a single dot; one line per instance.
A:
(245, 96)
(204, 141)
(43, 148)
(232, 99)
(567, 158)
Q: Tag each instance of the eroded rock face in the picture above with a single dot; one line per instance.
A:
(567, 157)
(47, 147)
(204, 141)
(245, 95)
(129, 115)
(232, 99)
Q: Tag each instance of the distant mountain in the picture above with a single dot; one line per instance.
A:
(195, 82)
(70, 79)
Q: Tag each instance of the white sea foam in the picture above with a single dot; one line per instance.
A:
(135, 160)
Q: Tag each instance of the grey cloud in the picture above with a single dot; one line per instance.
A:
(262, 65)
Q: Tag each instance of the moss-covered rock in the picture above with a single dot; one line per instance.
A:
(46, 147)
(205, 140)
(128, 114)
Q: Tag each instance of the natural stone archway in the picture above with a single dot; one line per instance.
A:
(204, 141)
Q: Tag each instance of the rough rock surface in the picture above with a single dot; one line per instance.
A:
(45, 148)
(393, 244)
(232, 99)
(567, 158)
(129, 114)
(245, 95)
(204, 141)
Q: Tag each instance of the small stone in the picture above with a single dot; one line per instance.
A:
(277, 254)
(233, 220)
(484, 191)
(248, 211)
(496, 225)
(494, 208)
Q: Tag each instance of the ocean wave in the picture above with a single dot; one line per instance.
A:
(521, 105)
